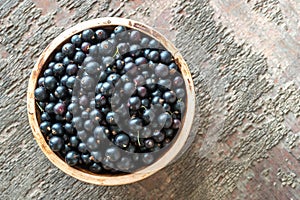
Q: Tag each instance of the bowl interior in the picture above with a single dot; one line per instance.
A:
(87, 176)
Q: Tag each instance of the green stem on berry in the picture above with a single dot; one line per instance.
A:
(41, 109)
(138, 138)
(116, 53)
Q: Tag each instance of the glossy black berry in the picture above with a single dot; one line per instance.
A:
(87, 161)
(56, 143)
(119, 29)
(113, 154)
(45, 127)
(79, 57)
(85, 46)
(41, 81)
(76, 40)
(166, 57)
(111, 118)
(45, 116)
(92, 68)
(49, 108)
(95, 167)
(61, 92)
(88, 35)
(48, 72)
(59, 56)
(170, 97)
(72, 158)
(58, 69)
(74, 141)
(87, 83)
(154, 56)
(149, 143)
(122, 140)
(100, 35)
(41, 94)
(134, 103)
(57, 129)
(68, 49)
(69, 128)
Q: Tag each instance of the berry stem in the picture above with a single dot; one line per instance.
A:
(116, 53)
(138, 138)
(41, 109)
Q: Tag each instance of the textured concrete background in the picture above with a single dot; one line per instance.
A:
(244, 56)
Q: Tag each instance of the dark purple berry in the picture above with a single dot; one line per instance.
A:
(176, 124)
(60, 109)
(85, 46)
(149, 143)
(135, 36)
(141, 91)
(161, 70)
(178, 81)
(86, 160)
(82, 147)
(74, 141)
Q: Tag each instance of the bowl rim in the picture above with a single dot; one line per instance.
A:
(99, 179)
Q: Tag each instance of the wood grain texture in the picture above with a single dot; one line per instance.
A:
(244, 58)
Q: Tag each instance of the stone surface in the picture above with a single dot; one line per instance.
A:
(244, 58)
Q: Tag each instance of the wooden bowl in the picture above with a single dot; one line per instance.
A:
(99, 179)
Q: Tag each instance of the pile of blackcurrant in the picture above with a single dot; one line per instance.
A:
(110, 100)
